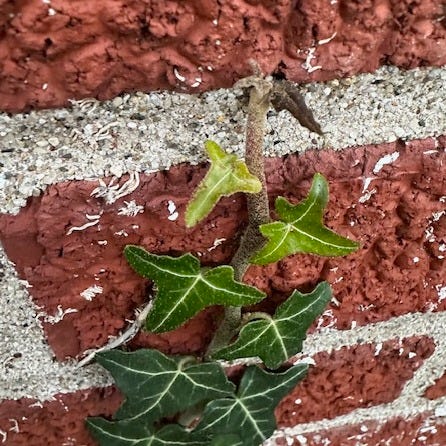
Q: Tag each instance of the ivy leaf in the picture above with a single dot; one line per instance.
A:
(124, 433)
(301, 229)
(275, 339)
(184, 289)
(227, 440)
(226, 176)
(250, 414)
(157, 386)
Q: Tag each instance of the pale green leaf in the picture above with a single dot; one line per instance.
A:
(157, 386)
(125, 433)
(301, 229)
(184, 289)
(250, 413)
(275, 339)
(226, 176)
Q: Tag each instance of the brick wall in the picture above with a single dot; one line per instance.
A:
(377, 353)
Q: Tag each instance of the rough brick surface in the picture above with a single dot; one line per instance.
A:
(437, 390)
(53, 51)
(399, 221)
(60, 422)
(350, 378)
(423, 430)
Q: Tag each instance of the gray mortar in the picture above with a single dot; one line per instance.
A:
(149, 132)
(41, 148)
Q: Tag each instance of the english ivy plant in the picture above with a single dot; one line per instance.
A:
(184, 400)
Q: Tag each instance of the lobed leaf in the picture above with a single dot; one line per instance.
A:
(275, 339)
(157, 386)
(301, 229)
(183, 289)
(226, 176)
(124, 433)
(250, 414)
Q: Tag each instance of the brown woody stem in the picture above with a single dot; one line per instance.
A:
(258, 206)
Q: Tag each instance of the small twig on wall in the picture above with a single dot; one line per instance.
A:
(125, 337)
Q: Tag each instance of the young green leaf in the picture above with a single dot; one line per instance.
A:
(275, 339)
(301, 229)
(124, 433)
(184, 289)
(250, 414)
(226, 176)
(157, 386)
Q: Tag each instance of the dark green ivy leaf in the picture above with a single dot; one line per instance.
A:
(250, 413)
(226, 440)
(226, 176)
(275, 339)
(183, 289)
(301, 229)
(157, 386)
(124, 433)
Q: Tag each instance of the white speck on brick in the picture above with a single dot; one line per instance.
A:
(102, 242)
(36, 404)
(217, 242)
(15, 425)
(326, 315)
(378, 348)
(324, 41)
(122, 233)
(4, 436)
(354, 323)
(180, 77)
(441, 290)
(416, 259)
(364, 428)
(429, 234)
(366, 196)
(131, 209)
(81, 228)
(301, 438)
(307, 65)
(366, 183)
(173, 214)
(335, 301)
(58, 316)
(386, 159)
(440, 411)
(437, 215)
(411, 355)
(298, 401)
(197, 82)
(44, 86)
(112, 192)
(90, 293)
(442, 247)
(52, 11)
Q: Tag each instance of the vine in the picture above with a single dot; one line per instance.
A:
(186, 400)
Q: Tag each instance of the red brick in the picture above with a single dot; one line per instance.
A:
(353, 377)
(58, 422)
(104, 48)
(378, 282)
(436, 390)
(423, 430)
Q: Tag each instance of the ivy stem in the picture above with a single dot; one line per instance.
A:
(257, 204)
